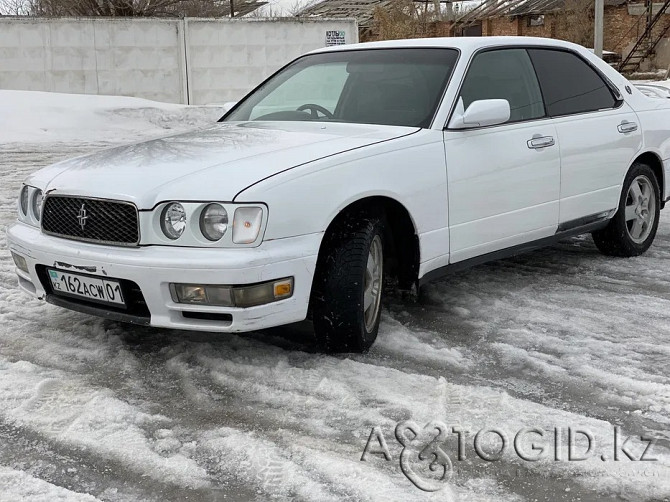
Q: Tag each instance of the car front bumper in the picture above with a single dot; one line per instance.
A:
(153, 268)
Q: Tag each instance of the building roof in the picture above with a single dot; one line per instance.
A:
(507, 8)
(244, 8)
(361, 10)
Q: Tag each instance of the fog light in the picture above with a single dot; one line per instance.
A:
(219, 295)
(188, 293)
(202, 294)
(250, 296)
(20, 262)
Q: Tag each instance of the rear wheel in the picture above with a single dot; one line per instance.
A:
(347, 290)
(633, 228)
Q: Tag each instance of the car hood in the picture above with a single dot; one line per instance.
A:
(215, 163)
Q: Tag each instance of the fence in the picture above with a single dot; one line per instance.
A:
(192, 60)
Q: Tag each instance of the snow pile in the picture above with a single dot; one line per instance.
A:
(46, 117)
(17, 485)
(662, 83)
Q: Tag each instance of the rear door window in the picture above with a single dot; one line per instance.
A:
(569, 84)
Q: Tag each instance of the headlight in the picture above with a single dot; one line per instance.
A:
(173, 220)
(37, 204)
(247, 224)
(201, 224)
(23, 200)
(213, 222)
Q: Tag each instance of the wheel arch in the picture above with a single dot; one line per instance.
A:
(403, 249)
(656, 164)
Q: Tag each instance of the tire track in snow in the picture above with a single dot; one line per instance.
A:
(67, 411)
(80, 470)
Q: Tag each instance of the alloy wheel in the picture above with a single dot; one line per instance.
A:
(640, 209)
(374, 273)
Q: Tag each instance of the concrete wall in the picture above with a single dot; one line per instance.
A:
(137, 57)
(662, 57)
(252, 50)
(180, 61)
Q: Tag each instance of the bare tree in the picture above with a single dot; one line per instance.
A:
(404, 19)
(137, 8)
(575, 22)
(15, 7)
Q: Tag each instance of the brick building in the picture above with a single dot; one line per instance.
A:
(625, 23)
(640, 29)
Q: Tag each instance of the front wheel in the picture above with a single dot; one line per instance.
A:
(633, 228)
(347, 290)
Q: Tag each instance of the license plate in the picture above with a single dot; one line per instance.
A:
(82, 286)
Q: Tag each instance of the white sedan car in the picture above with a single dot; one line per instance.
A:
(350, 165)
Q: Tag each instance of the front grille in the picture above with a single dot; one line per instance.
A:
(91, 220)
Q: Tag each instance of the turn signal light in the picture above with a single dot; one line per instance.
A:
(283, 288)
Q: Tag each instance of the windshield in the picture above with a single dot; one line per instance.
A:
(380, 86)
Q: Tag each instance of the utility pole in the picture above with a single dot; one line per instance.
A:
(450, 11)
(598, 28)
(438, 10)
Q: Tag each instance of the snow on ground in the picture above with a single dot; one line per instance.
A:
(664, 83)
(17, 485)
(563, 337)
(45, 117)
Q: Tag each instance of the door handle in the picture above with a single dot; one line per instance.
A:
(626, 126)
(537, 142)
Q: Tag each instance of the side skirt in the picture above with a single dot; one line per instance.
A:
(565, 230)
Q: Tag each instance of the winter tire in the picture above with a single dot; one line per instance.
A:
(347, 290)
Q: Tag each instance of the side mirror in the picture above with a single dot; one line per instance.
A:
(485, 112)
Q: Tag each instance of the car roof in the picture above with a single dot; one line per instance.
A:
(465, 44)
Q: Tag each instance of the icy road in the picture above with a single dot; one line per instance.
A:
(562, 339)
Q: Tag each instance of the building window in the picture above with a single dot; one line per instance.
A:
(536, 20)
